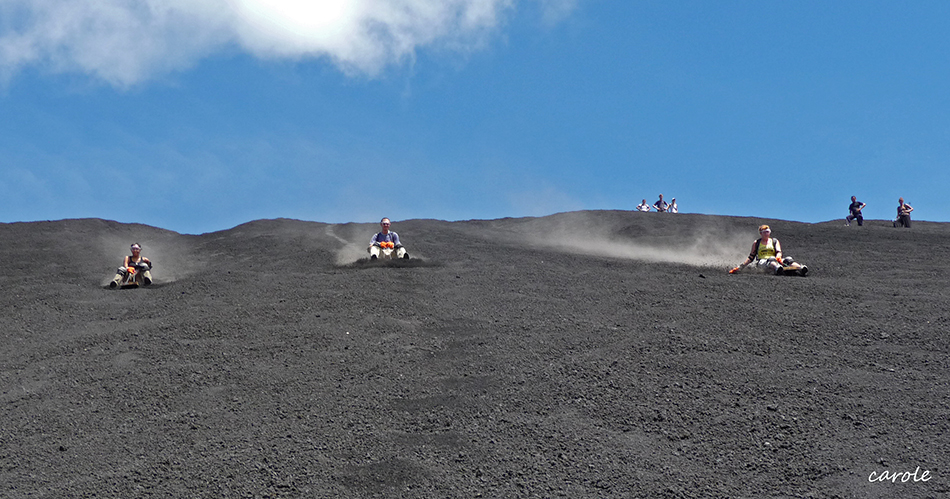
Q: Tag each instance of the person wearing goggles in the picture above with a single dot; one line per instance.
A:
(766, 256)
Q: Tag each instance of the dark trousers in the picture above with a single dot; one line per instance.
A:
(902, 221)
(859, 217)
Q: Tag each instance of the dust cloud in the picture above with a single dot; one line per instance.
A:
(695, 246)
(703, 251)
(351, 251)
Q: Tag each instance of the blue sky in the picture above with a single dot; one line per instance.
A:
(199, 115)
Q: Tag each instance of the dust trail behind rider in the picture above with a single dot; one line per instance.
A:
(389, 237)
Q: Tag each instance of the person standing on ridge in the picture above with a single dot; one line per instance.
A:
(660, 205)
(903, 214)
(643, 206)
(855, 212)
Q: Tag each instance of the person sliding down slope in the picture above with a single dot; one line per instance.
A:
(766, 256)
(136, 263)
(385, 241)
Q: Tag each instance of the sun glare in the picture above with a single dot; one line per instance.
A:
(304, 21)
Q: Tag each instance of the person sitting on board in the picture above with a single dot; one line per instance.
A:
(766, 256)
(386, 236)
(136, 261)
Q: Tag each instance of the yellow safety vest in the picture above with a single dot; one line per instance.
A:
(764, 251)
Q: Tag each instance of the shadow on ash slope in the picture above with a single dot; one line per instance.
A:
(703, 249)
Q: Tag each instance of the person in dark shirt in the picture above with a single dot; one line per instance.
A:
(903, 214)
(855, 212)
(137, 263)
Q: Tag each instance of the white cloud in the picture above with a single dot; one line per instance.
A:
(360, 35)
(120, 41)
(555, 11)
(127, 41)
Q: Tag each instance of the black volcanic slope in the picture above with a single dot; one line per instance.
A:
(588, 354)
